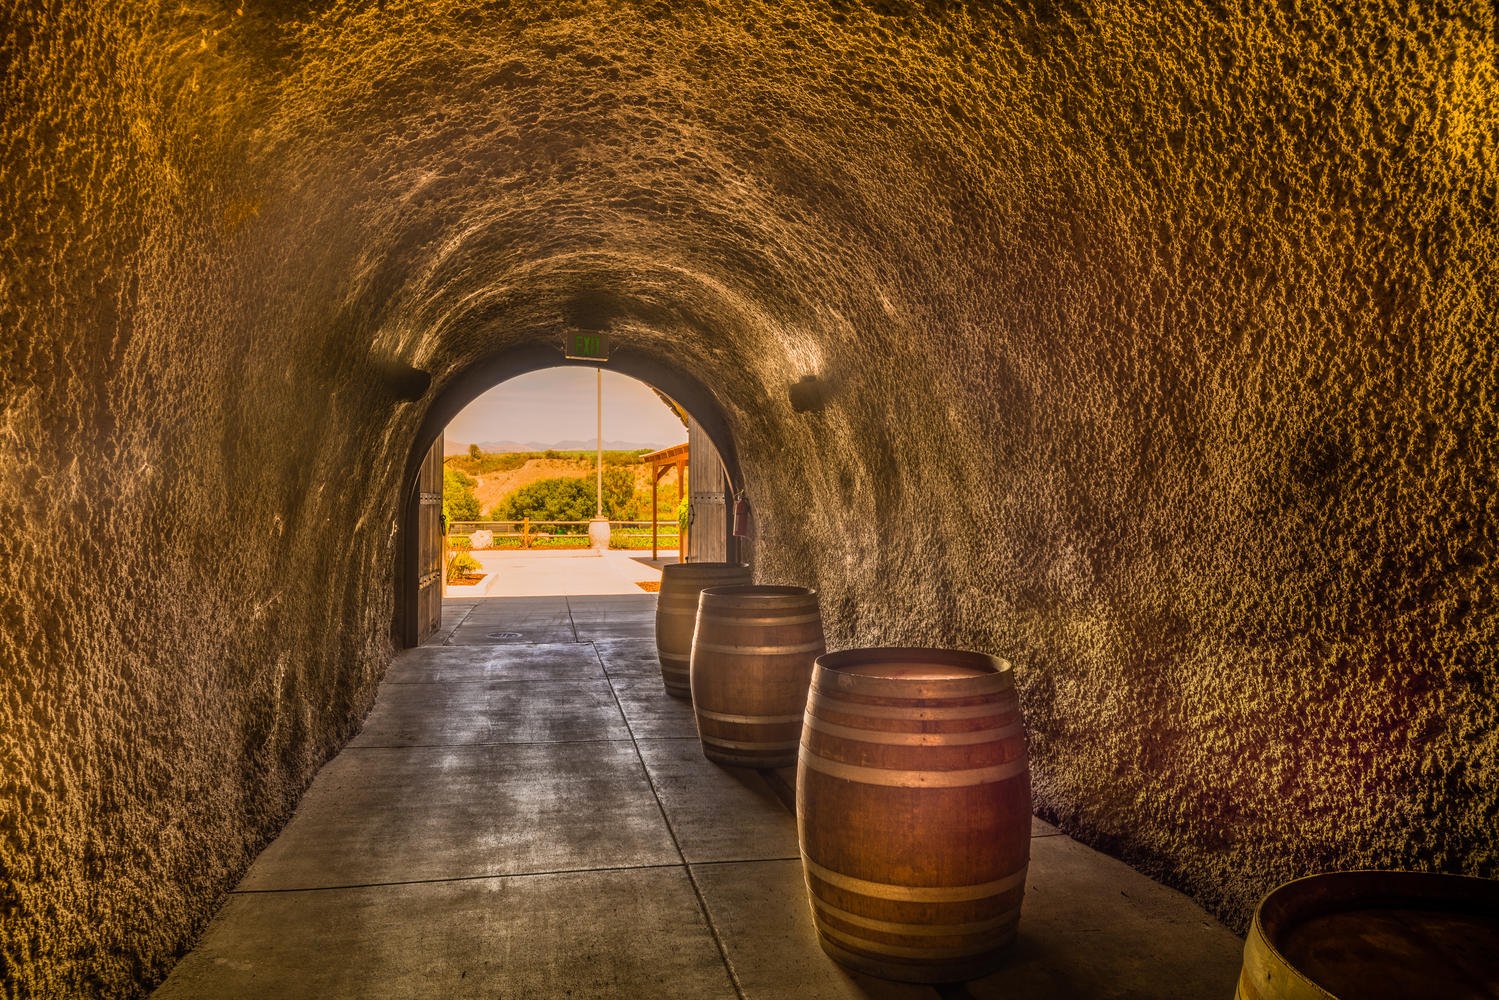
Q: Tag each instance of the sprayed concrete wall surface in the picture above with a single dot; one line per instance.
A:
(1160, 345)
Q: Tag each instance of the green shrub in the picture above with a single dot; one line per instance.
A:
(560, 541)
(619, 491)
(633, 540)
(570, 498)
(562, 498)
(462, 565)
(459, 502)
(459, 543)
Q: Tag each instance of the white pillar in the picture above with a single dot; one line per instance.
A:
(598, 528)
(599, 510)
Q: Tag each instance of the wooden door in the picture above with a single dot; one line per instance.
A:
(429, 543)
(708, 538)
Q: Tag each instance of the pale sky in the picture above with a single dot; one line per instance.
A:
(557, 404)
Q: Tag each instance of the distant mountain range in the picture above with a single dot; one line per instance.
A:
(451, 447)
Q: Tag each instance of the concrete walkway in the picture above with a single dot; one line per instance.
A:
(539, 572)
(530, 816)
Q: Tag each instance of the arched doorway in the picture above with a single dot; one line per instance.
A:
(699, 402)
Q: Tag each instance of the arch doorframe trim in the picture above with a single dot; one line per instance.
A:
(490, 371)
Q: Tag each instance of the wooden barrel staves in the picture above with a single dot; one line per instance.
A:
(1374, 935)
(752, 658)
(676, 615)
(913, 808)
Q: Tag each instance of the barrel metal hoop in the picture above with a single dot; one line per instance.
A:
(871, 946)
(915, 893)
(713, 741)
(924, 929)
(906, 778)
(833, 680)
(887, 738)
(749, 720)
(715, 647)
(819, 702)
(723, 618)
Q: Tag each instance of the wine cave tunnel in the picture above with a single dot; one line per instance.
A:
(1149, 347)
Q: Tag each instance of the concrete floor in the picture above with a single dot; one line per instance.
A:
(531, 817)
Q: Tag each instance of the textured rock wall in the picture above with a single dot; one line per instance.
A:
(1161, 350)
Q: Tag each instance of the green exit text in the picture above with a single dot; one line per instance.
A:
(591, 346)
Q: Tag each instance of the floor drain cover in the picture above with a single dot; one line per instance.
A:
(504, 635)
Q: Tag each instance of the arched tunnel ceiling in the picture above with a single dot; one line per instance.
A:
(672, 181)
(1159, 341)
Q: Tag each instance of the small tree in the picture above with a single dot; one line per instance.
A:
(561, 498)
(459, 502)
(619, 490)
(474, 452)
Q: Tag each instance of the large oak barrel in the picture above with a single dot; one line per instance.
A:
(752, 659)
(913, 807)
(676, 615)
(1374, 935)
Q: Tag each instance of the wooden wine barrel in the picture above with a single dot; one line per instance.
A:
(914, 811)
(676, 615)
(752, 659)
(1374, 935)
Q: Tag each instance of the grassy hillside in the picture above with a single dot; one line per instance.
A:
(486, 462)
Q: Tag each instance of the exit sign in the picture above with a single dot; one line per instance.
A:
(587, 345)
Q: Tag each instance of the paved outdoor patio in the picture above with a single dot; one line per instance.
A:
(530, 816)
(541, 572)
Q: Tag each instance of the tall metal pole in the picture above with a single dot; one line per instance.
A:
(599, 511)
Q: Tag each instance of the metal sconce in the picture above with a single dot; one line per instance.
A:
(401, 380)
(808, 394)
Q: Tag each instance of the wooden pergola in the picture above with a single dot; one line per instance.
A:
(662, 462)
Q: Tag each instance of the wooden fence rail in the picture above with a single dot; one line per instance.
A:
(529, 531)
